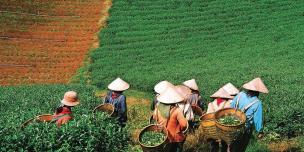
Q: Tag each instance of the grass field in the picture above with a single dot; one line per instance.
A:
(214, 42)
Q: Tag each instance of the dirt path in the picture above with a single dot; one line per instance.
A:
(46, 42)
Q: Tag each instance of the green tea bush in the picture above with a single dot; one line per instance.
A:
(83, 133)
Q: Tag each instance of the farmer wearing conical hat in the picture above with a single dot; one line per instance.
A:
(168, 114)
(221, 101)
(63, 113)
(195, 97)
(249, 102)
(231, 89)
(158, 89)
(118, 100)
(185, 106)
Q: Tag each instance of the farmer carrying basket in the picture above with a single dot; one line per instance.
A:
(222, 99)
(169, 115)
(248, 102)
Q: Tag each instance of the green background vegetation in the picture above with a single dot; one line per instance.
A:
(214, 42)
(147, 41)
(84, 133)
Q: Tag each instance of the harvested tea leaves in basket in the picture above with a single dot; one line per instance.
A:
(229, 120)
(152, 138)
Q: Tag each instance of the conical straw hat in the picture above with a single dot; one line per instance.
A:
(184, 91)
(118, 85)
(70, 98)
(231, 89)
(191, 84)
(256, 85)
(170, 96)
(162, 86)
(221, 93)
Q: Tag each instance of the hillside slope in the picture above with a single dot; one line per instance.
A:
(45, 42)
(214, 42)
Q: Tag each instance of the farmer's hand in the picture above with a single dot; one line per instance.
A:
(260, 135)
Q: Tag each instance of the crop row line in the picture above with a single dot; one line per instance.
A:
(40, 15)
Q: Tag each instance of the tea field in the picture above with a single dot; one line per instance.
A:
(84, 133)
(214, 42)
(144, 42)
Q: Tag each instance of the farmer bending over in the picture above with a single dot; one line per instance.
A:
(118, 100)
(63, 113)
(195, 97)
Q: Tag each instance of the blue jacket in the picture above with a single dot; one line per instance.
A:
(120, 106)
(254, 113)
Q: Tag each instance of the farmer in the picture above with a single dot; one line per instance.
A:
(118, 100)
(249, 102)
(158, 89)
(168, 114)
(231, 89)
(195, 97)
(221, 101)
(63, 113)
(185, 106)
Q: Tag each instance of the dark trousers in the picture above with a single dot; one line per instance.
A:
(176, 146)
(241, 145)
(214, 146)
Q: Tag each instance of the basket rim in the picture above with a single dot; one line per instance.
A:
(148, 127)
(213, 113)
(31, 120)
(95, 109)
(217, 121)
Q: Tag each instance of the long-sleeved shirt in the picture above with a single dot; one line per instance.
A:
(195, 99)
(254, 113)
(187, 110)
(120, 106)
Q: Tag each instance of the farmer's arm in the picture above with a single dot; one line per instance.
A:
(233, 102)
(106, 99)
(258, 118)
(122, 111)
(181, 119)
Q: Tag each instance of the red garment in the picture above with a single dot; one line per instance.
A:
(63, 117)
(219, 101)
(175, 125)
(114, 95)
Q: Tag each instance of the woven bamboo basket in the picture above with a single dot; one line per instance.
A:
(108, 108)
(152, 121)
(39, 118)
(197, 111)
(230, 133)
(162, 147)
(208, 127)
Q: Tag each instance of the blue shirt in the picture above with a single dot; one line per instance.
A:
(120, 106)
(254, 113)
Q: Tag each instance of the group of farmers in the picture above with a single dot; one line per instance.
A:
(172, 108)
